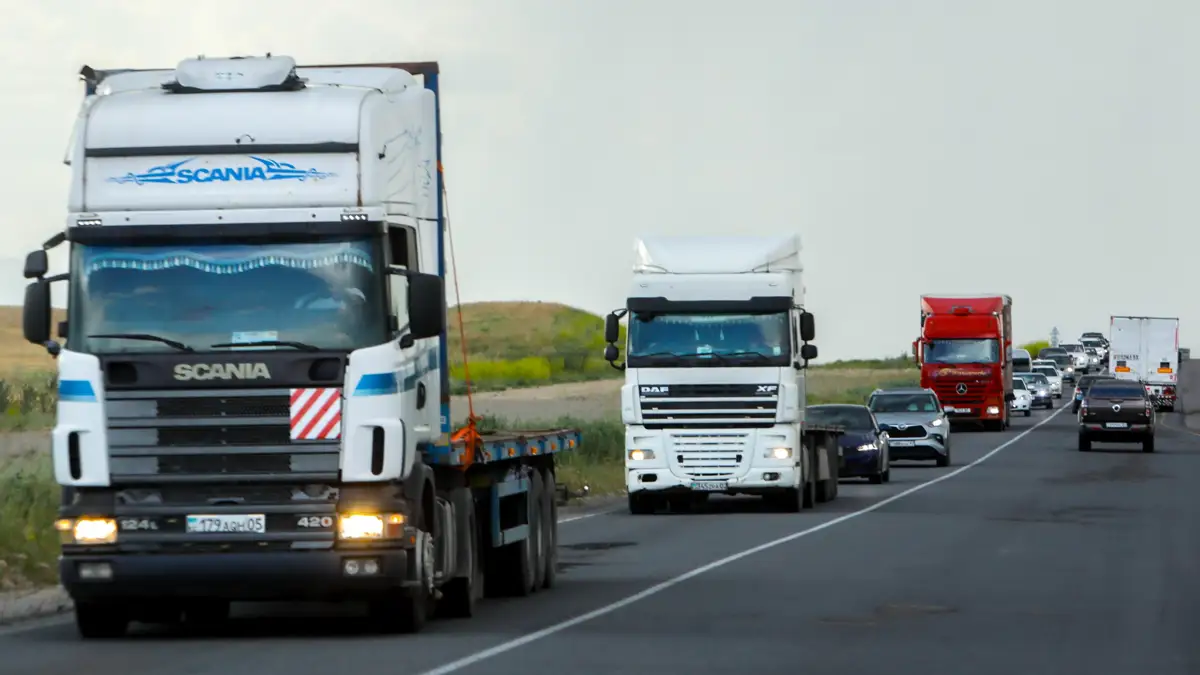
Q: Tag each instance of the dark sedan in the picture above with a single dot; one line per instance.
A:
(1081, 388)
(864, 446)
(1114, 411)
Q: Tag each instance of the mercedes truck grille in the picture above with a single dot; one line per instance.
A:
(708, 406)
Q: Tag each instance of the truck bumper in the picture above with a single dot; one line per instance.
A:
(755, 481)
(296, 576)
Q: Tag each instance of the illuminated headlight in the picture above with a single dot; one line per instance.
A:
(868, 447)
(367, 525)
(936, 423)
(87, 531)
(781, 453)
(639, 455)
(993, 410)
(1070, 369)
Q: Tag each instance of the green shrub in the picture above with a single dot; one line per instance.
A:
(1035, 347)
(29, 500)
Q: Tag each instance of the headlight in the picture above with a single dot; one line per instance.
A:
(993, 410)
(781, 453)
(639, 455)
(868, 447)
(368, 525)
(936, 423)
(87, 530)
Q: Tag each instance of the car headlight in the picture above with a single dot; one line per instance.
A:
(87, 530)
(640, 455)
(781, 453)
(936, 423)
(368, 525)
(867, 447)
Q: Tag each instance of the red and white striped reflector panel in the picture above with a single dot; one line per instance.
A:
(316, 414)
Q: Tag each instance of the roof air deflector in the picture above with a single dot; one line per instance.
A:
(237, 74)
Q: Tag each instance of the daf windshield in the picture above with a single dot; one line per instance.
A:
(958, 351)
(683, 340)
(325, 295)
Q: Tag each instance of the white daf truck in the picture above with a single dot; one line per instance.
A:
(714, 401)
(253, 398)
(1146, 349)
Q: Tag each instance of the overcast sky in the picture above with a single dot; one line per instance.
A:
(1047, 149)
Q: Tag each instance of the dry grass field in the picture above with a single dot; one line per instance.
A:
(17, 355)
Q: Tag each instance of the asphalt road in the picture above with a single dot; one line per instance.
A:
(1038, 559)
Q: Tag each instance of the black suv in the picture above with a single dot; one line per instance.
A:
(1116, 411)
(1081, 388)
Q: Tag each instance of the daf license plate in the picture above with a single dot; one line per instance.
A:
(247, 524)
(1116, 425)
(710, 486)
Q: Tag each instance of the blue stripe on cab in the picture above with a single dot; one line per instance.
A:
(76, 391)
(377, 384)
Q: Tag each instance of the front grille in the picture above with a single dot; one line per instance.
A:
(708, 406)
(710, 455)
(211, 436)
(974, 395)
(909, 431)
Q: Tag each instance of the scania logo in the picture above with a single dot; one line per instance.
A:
(222, 371)
(961, 388)
(654, 390)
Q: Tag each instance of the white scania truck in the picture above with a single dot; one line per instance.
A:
(714, 400)
(253, 394)
(1146, 349)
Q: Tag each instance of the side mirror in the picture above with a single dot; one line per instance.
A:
(808, 327)
(426, 305)
(610, 353)
(612, 330)
(914, 348)
(37, 264)
(808, 352)
(36, 314)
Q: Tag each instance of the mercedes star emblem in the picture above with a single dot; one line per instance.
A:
(1116, 407)
(961, 388)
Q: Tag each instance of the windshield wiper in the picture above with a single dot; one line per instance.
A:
(144, 336)
(747, 353)
(302, 346)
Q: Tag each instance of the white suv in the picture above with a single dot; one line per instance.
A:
(1053, 374)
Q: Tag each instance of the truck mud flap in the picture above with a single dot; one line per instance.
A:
(510, 511)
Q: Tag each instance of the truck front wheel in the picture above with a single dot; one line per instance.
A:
(97, 620)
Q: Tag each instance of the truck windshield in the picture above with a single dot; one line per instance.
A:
(962, 351)
(681, 340)
(326, 295)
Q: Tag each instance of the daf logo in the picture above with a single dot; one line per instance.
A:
(767, 388)
(1116, 407)
(222, 371)
(654, 390)
(961, 388)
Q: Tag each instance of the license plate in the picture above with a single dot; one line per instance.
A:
(248, 524)
(1116, 425)
(962, 411)
(710, 486)
(903, 444)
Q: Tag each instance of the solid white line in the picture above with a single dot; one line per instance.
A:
(472, 659)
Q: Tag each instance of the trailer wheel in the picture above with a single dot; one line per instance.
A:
(550, 524)
(95, 620)
(537, 529)
(460, 594)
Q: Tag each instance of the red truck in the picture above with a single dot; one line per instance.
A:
(964, 355)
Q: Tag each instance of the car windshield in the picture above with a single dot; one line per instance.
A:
(897, 403)
(961, 351)
(1107, 390)
(326, 295)
(1036, 378)
(853, 417)
(659, 339)
(1072, 348)
(1018, 383)
(1088, 381)
(1048, 372)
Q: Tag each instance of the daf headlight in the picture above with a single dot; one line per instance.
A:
(867, 447)
(639, 455)
(87, 530)
(781, 453)
(369, 525)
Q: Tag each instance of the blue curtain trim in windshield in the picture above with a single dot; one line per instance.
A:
(171, 259)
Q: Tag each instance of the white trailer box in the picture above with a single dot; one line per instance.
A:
(1146, 349)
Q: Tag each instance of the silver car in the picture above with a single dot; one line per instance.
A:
(916, 425)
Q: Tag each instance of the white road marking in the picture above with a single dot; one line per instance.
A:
(472, 659)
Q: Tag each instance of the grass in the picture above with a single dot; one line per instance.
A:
(28, 506)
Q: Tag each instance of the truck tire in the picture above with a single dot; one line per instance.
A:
(461, 593)
(405, 611)
(550, 522)
(537, 529)
(641, 504)
(789, 500)
(98, 620)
